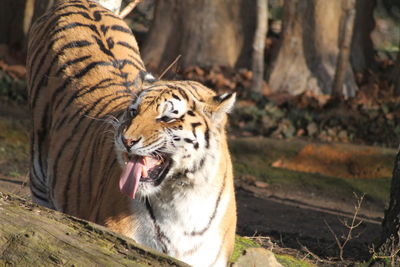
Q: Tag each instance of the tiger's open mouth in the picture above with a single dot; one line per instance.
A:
(142, 169)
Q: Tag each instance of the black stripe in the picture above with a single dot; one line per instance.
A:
(93, 158)
(74, 25)
(161, 237)
(41, 61)
(138, 61)
(78, 93)
(199, 97)
(44, 77)
(176, 97)
(121, 63)
(38, 188)
(104, 29)
(123, 75)
(221, 246)
(127, 45)
(67, 6)
(80, 177)
(181, 91)
(110, 42)
(97, 15)
(98, 200)
(78, 146)
(41, 135)
(60, 52)
(36, 195)
(33, 173)
(121, 29)
(212, 217)
(80, 74)
(102, 47)
(109, 14)
(207, 135)
(71, 62)
(194, 126)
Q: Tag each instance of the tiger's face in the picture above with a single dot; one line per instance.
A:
(166, 135)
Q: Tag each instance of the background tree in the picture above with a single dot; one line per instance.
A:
(204, 32)
(259, 46)
(362, 54)
(346, 32)
(389, 246)
(16, 17)
(307, 55)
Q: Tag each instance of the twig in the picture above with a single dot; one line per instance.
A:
(128, 9)
(350, 227)
(170, 66)
(395, 250)
(305, 249)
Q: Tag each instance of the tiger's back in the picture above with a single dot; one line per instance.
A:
(103, 131)
(82, 62)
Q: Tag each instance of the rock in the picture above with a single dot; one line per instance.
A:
(312, 128)
(260, 184)
(257, 257)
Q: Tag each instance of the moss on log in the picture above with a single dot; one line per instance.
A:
(31, 235)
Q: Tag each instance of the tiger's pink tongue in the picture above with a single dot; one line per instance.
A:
(136, 168)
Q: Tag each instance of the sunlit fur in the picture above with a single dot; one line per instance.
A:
(88, 90)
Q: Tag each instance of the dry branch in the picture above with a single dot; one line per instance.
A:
(129, 7)
(342, 242)
(31, 235)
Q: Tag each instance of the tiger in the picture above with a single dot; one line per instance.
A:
(110, 143)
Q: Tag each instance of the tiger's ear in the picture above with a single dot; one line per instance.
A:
(144, 78)
(221, 105)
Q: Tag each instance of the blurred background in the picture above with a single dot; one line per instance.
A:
(317, 117)
(330, 69)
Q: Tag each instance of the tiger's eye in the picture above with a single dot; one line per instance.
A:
(166, 119)
(132, 112)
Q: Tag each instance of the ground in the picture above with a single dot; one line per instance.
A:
(293, 195)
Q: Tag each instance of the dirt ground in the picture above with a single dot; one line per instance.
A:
(298, 223)
(301, 222)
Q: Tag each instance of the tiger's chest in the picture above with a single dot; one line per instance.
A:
(187, 228)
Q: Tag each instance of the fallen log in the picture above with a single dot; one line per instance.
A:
(31, 235)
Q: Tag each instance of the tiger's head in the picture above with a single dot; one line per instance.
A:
(169, 131)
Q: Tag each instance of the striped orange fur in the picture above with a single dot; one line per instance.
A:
(111, 144)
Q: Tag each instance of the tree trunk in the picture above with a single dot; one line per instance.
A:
(31, 235)
(396, 73)
(16, 16)
(308, 51)
(389, 247)
(259, 46)
(362, 49)
(204, 32)
(346, 31)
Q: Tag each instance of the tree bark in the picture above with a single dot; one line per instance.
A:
(204, 32)
(347, 25)
(362, 54)
(16, 16)
(259, 46)
(389, 246)
(396, 73)
(308, 51)
(31, 235)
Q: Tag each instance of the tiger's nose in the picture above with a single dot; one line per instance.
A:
(129, 142)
